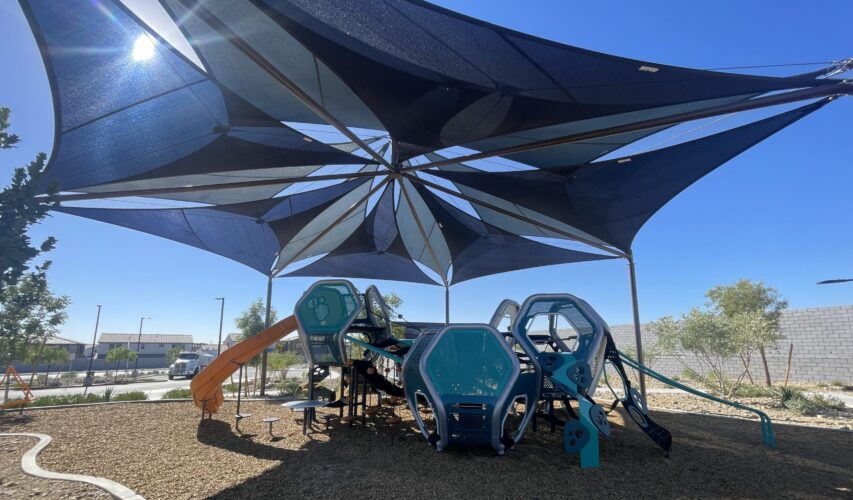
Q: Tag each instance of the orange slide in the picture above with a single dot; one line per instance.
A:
(206, 387)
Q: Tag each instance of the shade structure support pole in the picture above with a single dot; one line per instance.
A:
(828, 90)
(267, 320)
(638, 340)
(446, 303)
(438, 187)
(214, 22)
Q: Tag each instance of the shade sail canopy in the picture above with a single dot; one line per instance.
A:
(613, 199)
(250, 233)
(130, 107)
(435, 78)
(136, 118)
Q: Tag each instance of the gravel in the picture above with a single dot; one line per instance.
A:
(161, 451)
(15, 484)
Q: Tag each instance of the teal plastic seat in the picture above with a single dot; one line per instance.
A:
(468, 375)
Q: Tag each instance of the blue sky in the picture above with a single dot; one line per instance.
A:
(780, 212)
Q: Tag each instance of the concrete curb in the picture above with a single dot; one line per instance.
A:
(31, 467)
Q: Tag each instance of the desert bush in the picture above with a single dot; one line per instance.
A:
(798, 402)
(71, 399)
(753, 391)
(178, 394)
(108, 394)
(131, 396)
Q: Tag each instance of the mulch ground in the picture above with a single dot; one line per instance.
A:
(15, 484)
(161, 451)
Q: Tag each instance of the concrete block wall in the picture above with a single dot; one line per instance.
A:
(822, 339)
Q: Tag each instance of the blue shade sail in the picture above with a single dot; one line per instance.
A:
(480, 249)
(250, 233)
(128, 106)
(613, 199)
(375, 250)
(435, 78)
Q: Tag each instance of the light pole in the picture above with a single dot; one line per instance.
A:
(221, 316)
(90, 375)
(138, 342)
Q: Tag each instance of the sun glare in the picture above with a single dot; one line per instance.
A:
(143, 48)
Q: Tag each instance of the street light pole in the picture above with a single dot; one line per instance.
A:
(221, 316)
(90, 375)
(138, 343)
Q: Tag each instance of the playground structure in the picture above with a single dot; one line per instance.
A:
(466, 384)
(5, 382)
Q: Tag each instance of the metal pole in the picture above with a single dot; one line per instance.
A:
(221, 316)
(446, 303)
(266, 325)
(637, 329)
(90, 375)
(138, 342)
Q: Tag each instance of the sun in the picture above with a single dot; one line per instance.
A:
(143, 48)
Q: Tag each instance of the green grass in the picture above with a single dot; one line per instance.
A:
(178, 394)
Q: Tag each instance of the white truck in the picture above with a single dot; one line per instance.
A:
(188, 364)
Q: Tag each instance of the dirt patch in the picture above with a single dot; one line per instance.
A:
(833, 419)
(14, 483)
(161, 451)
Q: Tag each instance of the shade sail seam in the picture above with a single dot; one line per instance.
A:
(269, 68)
(131, 105)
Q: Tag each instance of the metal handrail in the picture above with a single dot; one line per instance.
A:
(766, 424)
(377, 350)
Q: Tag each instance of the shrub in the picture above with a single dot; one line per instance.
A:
(108, 394)
(131, 396)
(795, 400)
(230, 388)
(754, 391)
(71, 399)
(826, 402)
(178, 394)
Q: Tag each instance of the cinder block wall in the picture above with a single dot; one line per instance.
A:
(823, 347)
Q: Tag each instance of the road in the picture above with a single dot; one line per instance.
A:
(153, 388)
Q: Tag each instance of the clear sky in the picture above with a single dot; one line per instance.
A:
(781, 212)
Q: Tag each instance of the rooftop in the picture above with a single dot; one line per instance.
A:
(147, 338)
(61, 341)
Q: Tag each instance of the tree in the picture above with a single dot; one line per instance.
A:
(748, 297)
(713, 338)
(29, 314)
(7, 140)
(19, 210)
(282, 361)
(253, 322)
(28, 311)
(172, 355)
(253, 319)
(394, 302)
(53, 356)
(120, 354)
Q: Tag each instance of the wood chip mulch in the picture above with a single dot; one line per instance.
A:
(161, 451)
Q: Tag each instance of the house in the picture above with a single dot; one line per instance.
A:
(212, 349)
(232, 339)
(75, 349)
(151, 345)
